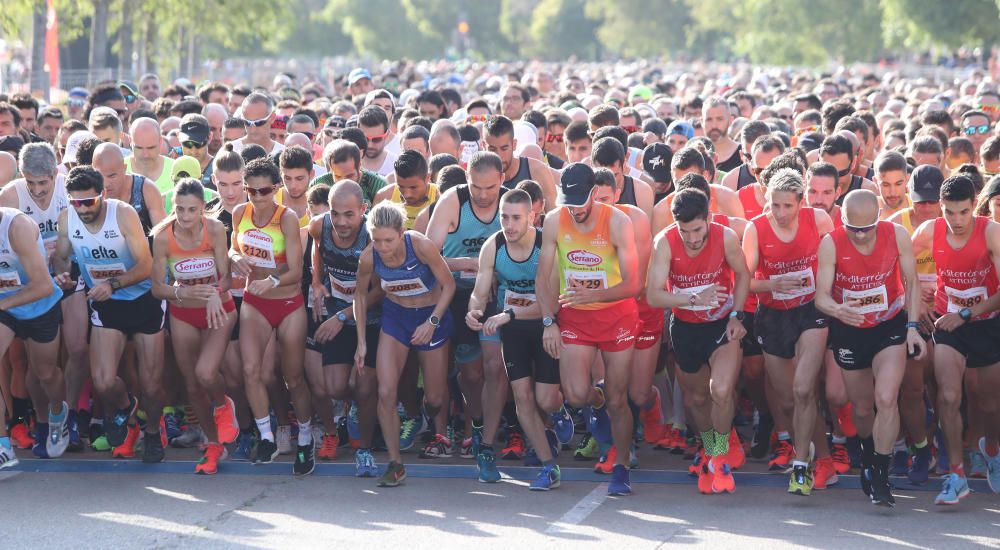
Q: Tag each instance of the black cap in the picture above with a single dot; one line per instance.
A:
(195, 128)
(575, 185)
(925, 184)
(11, 144)
(656, 158)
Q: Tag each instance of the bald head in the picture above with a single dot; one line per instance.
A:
(301, 140)
(346, 194)
(146, 142)
(8, 167)
(110, 162)
(144, 126)
(108, 154)
(861, 208)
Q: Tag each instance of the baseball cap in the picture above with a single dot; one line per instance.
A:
(925, 184)
(682, 128)
(194, 127)
(358, 74)
(73, 143)
(185, 167)
(128, 88)
(79, 93)
(575, 185)
(641, 91)
(656, 159)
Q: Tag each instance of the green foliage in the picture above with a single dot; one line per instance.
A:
(921, 23)
(637, 28)
(561, 29)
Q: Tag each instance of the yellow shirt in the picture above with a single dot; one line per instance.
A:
(413, 211)
(279, 197)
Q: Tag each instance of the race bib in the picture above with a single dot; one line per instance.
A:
(518, 299)
(868, 301)
(692, 290)
(958, 299)
(10, 280)
(806, 281)
(100, 273)
(196, 271)
(405, 287)
(258, 247)
(342, 290)
(590, 280)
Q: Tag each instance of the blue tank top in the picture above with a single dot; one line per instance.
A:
(105, 253)
(341, 268)
(516, 280)
(13, 277)
(411, 278)
(469, 236)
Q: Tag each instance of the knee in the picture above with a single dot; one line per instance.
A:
(340, 392)
(698, 399)
(864, 409)
(523, 394)
(886, 400)
(642, 395)
(206, 377)
(471, 375)
(294, 382)
(548, 403)
(722, 391)
(804, 392)
(387, 395)
(576, 396)
(433, 402)
(949, 398)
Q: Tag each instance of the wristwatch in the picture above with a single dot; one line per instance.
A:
(115, 283)
(274, 280)
(738, 315)
(548, 321)
(965, 313)
(434, 320)
(510, 312)
(341, 316)
(692, 299)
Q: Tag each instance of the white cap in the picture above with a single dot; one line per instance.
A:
(73, 143)
(525, 133)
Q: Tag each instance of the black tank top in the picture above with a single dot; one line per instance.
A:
(732, 162)
(628, 192)
(744, 178)
(855, 184)
(138, 202)
(523, 173)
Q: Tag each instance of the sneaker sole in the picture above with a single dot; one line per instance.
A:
(268, 461)
(10, 463)
(397, 483)
(297, 474)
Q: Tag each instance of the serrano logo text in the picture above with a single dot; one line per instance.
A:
(583, 257)
(194, 265)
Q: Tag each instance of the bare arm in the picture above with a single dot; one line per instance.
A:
(738, 263)
(484, 278)
(544, 280)
(24, 243)
(825, 271)
(162, 289)
(154, 202)
(60, 258)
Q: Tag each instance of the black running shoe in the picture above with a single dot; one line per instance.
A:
(265, 452)
(152, 448)
(116, 425)
(305, 459)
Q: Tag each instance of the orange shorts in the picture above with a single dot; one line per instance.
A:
(609, 329)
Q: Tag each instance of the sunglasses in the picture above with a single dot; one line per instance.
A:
(259, 191)
(87, 202)
(554, 138)
(844, 172)
(477, 118)
(973, 130)
(860, 228)
(130, 99)
(259, 122)
(310, 135)
(378, 139)
(75, 102)
(192, 145)
(806, 130)
(989, 108)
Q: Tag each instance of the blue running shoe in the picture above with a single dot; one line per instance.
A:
(620, 485)
(549, 478)
(900, 463)
(953, 489)
(920, 466)
(563, 425)
(487, 463)
(75, 441)
(992, 466)
(244, 447)
(40, 449)
(408, 430)
(353, 426)
(172, 422)
(600, 422)
(531, 458)
(364, 464)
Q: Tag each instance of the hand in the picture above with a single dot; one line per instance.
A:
(578, 296)
(786, 285)
(422, 336)
(101, 292)
(949, 322)
(552, 340)
(198, 292)
(470, 264)
(319, 293)
(328, 330)
(472, 319)
(915, 345)
(711, 296)
(735, 330)
(241, 265)
(260, 286)
(494, 323)
(214, 311)
(926, 318)
(927, 294)
(359, 355)
(65, 282)
(846, 314)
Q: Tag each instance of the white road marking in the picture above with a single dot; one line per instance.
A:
(581, 510)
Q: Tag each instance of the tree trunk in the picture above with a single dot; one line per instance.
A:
(125, 65)
(39, 76)
(99, 41)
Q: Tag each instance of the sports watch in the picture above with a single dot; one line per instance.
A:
(341, 316)
(965, 313)
(548, 321)
(434, 320)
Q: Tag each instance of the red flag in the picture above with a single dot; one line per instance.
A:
(52, 44)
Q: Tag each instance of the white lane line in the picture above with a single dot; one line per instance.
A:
(581, 510)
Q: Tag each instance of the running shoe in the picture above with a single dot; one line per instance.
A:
(328, 449)
(209, 463)
(841, 459)
(283, 438)
(531, 459)
(486, 462)
(977, 467)
(920, 466)
(800, 482)
(563, 425)
(619, 484)
(736, 457)
(394, 475)
(845, 417)
(439, 447)
(265, 452)
(653, 428)
(722, 475)
(881, 490)
(7, 457)
(782, 456)
(40, 448)
(761, 441)
(152, 448)
(548, 478)
(244, 447)
(854, 451)
(75, 441)
(127, 448)
(867, 474)
(588, 449)
(900, 463)
(95, 430)
(225, 421)
(408, 430)
(58, 438)
(353, 425)
(191, 436)
(116, 426)
(466, 450)
(953, 489)
(364, 464)
(600, 423)
(515, 447)
(705, 477)
(825, 474)
(606, 464)
(173, 422)
(101, 444)
(305, 459)
(699, 461)
(992, 466)
(554, 443)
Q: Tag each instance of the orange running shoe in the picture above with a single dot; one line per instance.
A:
(653, 428)
(782, 457)
(841, 459)
(700, 459)
(328, 450)
(127, 449)
(606, 464)
(209, 463)
(845, 417)
(225, 422)
(722, 475)
(21, 437)
(736, 456)
(515, 447)
(705, 479)
(825, 474)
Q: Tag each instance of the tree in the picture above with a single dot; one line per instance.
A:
(99, 36)
(635, 29)
(921, 23)
(561, 29)
(380, 28)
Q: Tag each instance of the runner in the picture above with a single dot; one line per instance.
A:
(715, 119)
(780, 247)
(418, 287)
(966, 253)
(190, 271)
(498, 133)
(595, 248)
(891, 176)
(340, 238)
(864, 267)
(413, 188)
(609, 153)
(705, 282)
(266, 251)
(106, 238)
(133, 189)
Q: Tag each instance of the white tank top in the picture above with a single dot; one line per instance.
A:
(105, 253)
(47, 218)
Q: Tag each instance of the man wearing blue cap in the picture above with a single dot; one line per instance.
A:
(360, 82)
